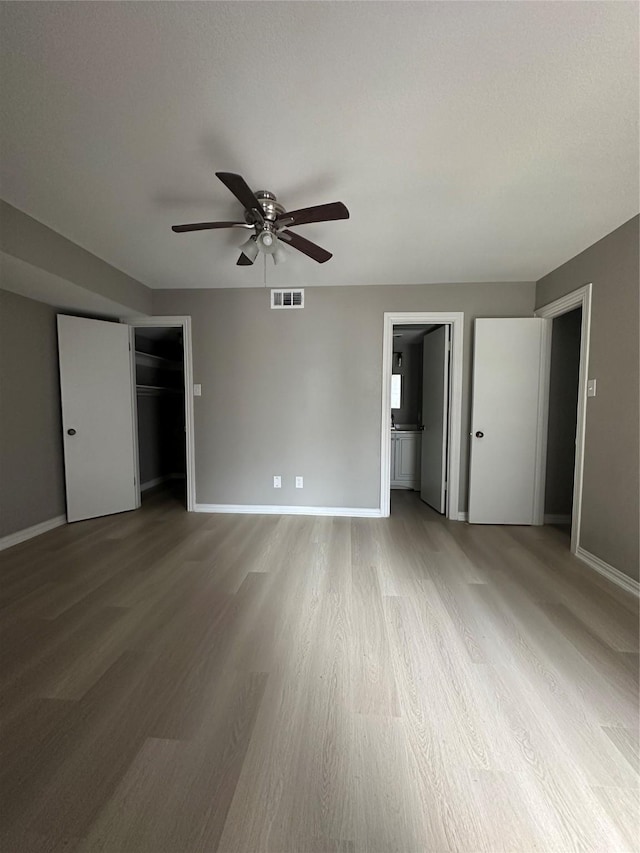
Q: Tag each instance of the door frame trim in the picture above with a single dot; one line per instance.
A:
(579, 298)
(455, 319)
(183, 322)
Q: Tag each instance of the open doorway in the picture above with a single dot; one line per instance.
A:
(558, 335)
(406, 407)
(162, 371)
(160, 409)
(421, 418)
(420, 400)
(564, 376)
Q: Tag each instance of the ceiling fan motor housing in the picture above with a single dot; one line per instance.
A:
(270, 207)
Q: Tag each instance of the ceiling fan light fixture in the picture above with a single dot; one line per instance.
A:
(250, 248)
(280, 255)
(267, 242)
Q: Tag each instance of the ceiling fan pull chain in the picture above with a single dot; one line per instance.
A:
(265, 270)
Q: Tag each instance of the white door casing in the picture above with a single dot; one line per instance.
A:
(183, 322)
(97, 405)
(506, 429)
(455, 319)
(435, 417)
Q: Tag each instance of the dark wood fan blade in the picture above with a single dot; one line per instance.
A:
(206, 226)
(319, 213)
(305, 246)
(244, 261)
(241, 190)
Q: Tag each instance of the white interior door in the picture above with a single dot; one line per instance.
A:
(505, 420)
(435, 417)
(97, 417)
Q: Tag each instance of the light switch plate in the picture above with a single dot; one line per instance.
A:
(299, 483)
(591, 387)
(197, 390)
(277, 482)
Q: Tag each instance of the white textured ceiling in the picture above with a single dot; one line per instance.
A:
(470, 141)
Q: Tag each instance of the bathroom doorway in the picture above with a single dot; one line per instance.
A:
(421, 417)
(420, 398)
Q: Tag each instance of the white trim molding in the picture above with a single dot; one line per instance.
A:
(455, 319)
(463, 516)
(610, 572)
(542, 426)
(183, 322)
(580, 298)
(29, 532)
(271, 509)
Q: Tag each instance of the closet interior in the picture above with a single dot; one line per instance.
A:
(160, 405)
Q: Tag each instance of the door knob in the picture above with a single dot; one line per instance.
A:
(71, 432)
(479, 434)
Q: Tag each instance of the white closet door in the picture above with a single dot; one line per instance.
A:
(97, 417)
(435, 418)
(507, 362)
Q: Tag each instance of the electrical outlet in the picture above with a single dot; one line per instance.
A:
(299, 483)
(197, 390)
(591, 387)
(277, 482)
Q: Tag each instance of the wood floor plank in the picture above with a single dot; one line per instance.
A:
(551, 765)
(176, 794)
(388, 812)
(609, 677)
(374, 688)
(531, 648)
(516, 817)
(623, 807)
(627, 741)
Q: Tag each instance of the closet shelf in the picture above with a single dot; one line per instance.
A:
(146, 359)
(152, 390)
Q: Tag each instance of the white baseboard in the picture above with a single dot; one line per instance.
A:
(269, 509)
(614, 575)
(557, 519)
(29, 532)
(463, 516)
(151, 484)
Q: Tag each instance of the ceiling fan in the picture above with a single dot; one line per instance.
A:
(270, 223)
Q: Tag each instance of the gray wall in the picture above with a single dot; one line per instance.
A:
(27, 240)
(610, 501)
(563, 402)
(31, 462)
(299, 392)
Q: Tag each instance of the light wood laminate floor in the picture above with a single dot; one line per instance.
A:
(181, 682)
